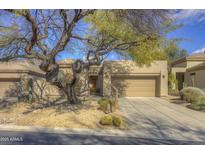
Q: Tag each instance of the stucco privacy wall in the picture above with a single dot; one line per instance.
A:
(199, 78)
(157, 68)
(52, 92)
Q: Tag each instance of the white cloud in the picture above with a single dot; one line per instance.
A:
(196, 15)
(202, 50)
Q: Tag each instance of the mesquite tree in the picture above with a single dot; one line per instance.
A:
(43, 34)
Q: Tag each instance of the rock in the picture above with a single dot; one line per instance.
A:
(37, 106)
(37, 111)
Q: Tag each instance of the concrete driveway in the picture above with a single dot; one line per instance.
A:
(157, 118)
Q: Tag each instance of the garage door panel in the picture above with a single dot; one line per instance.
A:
(133, 87)
(140, 89)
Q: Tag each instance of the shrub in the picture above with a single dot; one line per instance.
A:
(199, 106)
(105, 104)
(106, 120)
(117, 121)
(192, 95)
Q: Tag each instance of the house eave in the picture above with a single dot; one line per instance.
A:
(29, 72)
(184, 59)
(196, 68)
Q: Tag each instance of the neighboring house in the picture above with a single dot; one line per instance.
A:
(129, 78)
(195, 76)
(189, 71)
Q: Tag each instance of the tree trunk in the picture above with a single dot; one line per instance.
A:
(55, 77)
(71, 93)
(77, 68)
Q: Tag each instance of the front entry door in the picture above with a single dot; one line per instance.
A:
(93, 84)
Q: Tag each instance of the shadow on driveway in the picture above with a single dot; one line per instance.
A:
(157, 118)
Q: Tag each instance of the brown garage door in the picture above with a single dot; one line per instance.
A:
(6, 86)
(136, 86)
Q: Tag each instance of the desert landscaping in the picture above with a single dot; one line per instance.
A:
(86, 115)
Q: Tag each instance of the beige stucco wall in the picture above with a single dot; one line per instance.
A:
(106, 79)
(193, 63)
(12, 73)
(174, 70)
(182, 64)
(157, 68)
(199, 79)
(82, 89)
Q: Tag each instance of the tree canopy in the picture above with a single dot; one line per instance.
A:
(137, 34)
(172, 51)
(42, 34)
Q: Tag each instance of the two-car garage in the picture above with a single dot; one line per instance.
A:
(136, 86)
(131, 79)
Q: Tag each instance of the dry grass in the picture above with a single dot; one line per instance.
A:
(84, 116)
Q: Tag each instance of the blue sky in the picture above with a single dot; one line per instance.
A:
(193, 30)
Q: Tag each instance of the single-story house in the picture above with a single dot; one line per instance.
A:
(189, 71)
(129, 78)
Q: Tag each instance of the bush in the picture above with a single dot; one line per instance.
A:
(198, 106)
(106, 120)
(192, 95)
(105, 104)
(117, 121)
